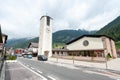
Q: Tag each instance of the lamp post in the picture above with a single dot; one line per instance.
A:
(106, 65)
(105, 51)
(73, 57)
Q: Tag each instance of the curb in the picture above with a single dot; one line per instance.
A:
(10, 61)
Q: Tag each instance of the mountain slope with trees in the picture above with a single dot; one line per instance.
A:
(59, 38)
(112, 29)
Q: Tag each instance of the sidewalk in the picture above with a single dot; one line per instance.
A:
(112, 65)
(15, 71)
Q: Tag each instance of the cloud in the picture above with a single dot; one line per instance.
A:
(22, 18)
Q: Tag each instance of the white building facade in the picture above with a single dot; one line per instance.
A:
(89, 44)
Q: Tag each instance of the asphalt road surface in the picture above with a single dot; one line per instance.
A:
(15, 71)
(55, 72)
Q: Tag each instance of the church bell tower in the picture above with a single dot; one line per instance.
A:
(45, 37)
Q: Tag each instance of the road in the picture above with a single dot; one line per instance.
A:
(15, 71)
(55, 72)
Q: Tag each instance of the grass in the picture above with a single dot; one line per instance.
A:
(117, 44)
(10, 57)
(58, 45)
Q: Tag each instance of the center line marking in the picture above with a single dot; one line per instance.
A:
(27, 65)
(39, 71)
(51, 78)
(32, 68)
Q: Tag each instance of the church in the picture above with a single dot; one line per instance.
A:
(86, 45)
(89, 45)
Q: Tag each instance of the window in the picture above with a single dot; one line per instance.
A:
(48, 21)
(85, 43)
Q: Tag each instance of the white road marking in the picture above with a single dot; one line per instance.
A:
(27, 65)
(51, 77)
(39, 71)
(32, 68)
(34, 72)
(86, 71)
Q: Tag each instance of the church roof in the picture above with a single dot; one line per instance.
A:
(33, 45)
(95, 36)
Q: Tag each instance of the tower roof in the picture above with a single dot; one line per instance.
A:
(46, 16)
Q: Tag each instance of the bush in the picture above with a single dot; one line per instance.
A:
(10, 57)
(108, 56)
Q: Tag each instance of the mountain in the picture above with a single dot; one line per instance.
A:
(112, 29)
(19, 43)
(14, 42)
(64, 36)
(59, 38)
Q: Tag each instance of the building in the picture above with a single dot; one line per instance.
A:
(45, 38)
(88, 45)
(3, 39)
(118, 53)
(17, 51)
(1, 43)
(33, 48)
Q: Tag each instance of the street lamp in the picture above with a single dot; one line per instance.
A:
(104, 46)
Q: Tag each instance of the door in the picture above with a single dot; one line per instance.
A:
(46, 53)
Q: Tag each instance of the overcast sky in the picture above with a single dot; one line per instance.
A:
(21, 18)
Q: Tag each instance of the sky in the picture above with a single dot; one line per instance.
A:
(21, 18)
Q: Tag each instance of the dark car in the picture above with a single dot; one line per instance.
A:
(42, 58)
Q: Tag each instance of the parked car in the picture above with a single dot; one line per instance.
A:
(29, 56)
(25, 55)
(42, 58)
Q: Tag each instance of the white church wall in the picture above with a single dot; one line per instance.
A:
(94, 44)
